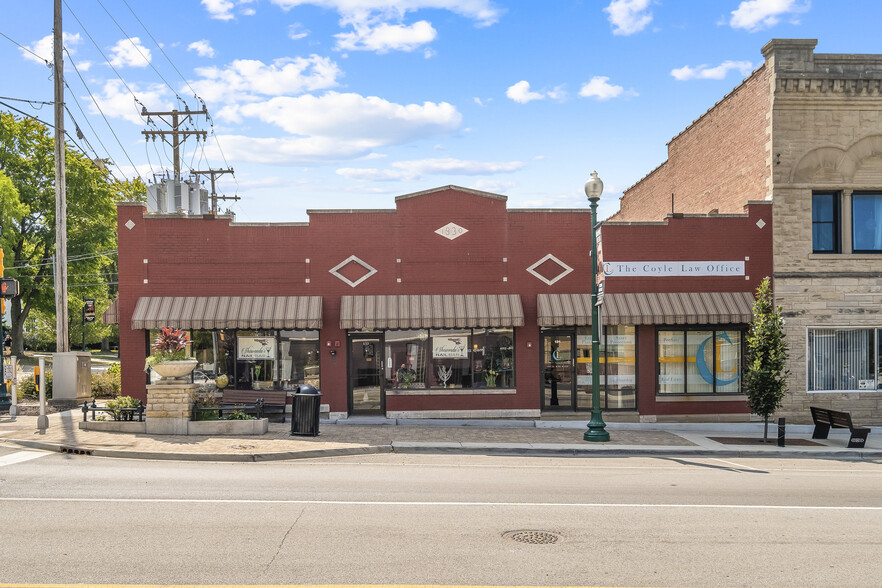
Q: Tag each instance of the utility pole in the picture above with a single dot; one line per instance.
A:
(213, 173)
(177, 136)
(61, 322)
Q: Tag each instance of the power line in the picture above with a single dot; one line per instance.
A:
(107, 122)
(31, 102)
(47, 62)
(42, 122)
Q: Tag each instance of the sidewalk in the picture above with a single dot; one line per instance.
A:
(485, 437)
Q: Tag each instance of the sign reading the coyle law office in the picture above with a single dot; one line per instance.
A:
(256, 348)
(640, 269)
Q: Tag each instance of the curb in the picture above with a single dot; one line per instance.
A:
(459, 448)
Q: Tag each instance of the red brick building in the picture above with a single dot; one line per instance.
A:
(451, 305)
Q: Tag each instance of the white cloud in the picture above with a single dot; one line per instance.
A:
(495, 186)
(287, 150)
(356, 117)
(223, 9)
(703, 72)
(297, 31)
(129, 52)
(203, 48)
(600, 88)
(628, 16)
(755, 15)
(415, 169)
(483, 12)
(387, 37)
(245, 79)
(44, 48)
(116, 101)
(521, 93)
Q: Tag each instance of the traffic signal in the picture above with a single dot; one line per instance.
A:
(8, 288)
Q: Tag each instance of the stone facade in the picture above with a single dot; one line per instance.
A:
(169, 407)
(808, 122)
(826, 135)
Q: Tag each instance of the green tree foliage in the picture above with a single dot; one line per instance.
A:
(765, 379)
(28, 227)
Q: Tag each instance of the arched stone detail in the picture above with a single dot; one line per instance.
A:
(861, 163)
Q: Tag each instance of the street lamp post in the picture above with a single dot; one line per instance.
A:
(596, 427)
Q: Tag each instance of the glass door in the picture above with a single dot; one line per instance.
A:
(366, 381)
(558, 390)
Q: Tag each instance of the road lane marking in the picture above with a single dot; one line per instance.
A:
(438, 504)
(20, 456)
(732, 463)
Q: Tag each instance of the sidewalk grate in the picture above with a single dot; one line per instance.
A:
(533, 537)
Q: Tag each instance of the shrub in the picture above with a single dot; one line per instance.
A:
(28, 388)
(169, 345)
(121, 402)
(107, 384)
(238, 415)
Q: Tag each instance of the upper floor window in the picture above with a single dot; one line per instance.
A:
(866, 223)
(825, 222)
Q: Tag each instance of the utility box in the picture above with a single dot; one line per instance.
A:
(71, 378)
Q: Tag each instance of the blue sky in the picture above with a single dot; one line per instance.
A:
(348, 103)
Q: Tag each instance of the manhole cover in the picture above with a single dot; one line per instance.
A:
(534, 537)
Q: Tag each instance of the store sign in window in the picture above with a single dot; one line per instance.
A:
(256, 348)
(450, 347)
(701, 362)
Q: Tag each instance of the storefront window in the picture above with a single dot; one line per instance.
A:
(699, 361)
(843, 359)
(299, 354)
(256, 359)
(406, 358)
(450, 358)
(620, 366)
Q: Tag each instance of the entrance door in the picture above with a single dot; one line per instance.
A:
(558, 389)
(366, 381)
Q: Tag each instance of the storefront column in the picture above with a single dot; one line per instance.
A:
(169, 407)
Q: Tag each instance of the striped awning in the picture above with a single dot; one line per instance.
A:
(431, 311)
(690, 308)
(563, 309)
(111, 315)
(228, 312)
(647, 308)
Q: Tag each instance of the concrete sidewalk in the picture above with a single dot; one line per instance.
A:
(358, 436)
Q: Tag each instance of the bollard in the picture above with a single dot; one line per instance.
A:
(781, 427)
(13, 407)
(42, 420)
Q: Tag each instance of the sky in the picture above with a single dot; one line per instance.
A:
(345, 104)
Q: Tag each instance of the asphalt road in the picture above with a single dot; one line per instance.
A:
(441, 520)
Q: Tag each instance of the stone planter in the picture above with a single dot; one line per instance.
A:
(174, 371)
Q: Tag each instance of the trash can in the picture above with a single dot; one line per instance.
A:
(305, 412)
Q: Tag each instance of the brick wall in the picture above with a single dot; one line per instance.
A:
(719, 162)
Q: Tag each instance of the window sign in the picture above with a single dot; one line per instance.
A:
(256, 348)
(446, 347)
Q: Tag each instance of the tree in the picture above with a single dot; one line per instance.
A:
(765, 379)
(28, 222)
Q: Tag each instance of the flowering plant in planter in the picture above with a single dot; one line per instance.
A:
(169, 345)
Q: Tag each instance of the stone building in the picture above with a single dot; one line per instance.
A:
(804, 131)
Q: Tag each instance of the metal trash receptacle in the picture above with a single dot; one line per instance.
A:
(305, 411)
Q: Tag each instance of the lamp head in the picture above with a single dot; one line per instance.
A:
(594, 188)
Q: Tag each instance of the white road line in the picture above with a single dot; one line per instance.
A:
(732, 463)
(427, 503)
(20, 456)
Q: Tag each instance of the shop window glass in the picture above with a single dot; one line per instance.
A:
(206, 348)
(450, 365)
(620, 366)
(843, 359)
(493, 358)
(671, 362)
(256, 359)
(406, 358)
(866, 223)
(299, 355)
(825, 223)
(699, 361)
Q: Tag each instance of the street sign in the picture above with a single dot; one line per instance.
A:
(7, 371)
(8, 287)
(89, 310)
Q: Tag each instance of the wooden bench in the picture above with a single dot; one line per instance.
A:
(826, 418)
(275, 400)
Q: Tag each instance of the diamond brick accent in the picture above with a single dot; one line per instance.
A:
(565, 269)
(336, 270)
(130, 224)
(452, 231)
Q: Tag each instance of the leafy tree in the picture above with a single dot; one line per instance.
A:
(765, 379)
(28, 223)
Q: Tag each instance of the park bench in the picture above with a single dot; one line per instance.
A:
(125, 414)
(826, 418)
(273, 400)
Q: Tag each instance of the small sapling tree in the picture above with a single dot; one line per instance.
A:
(765, 379)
